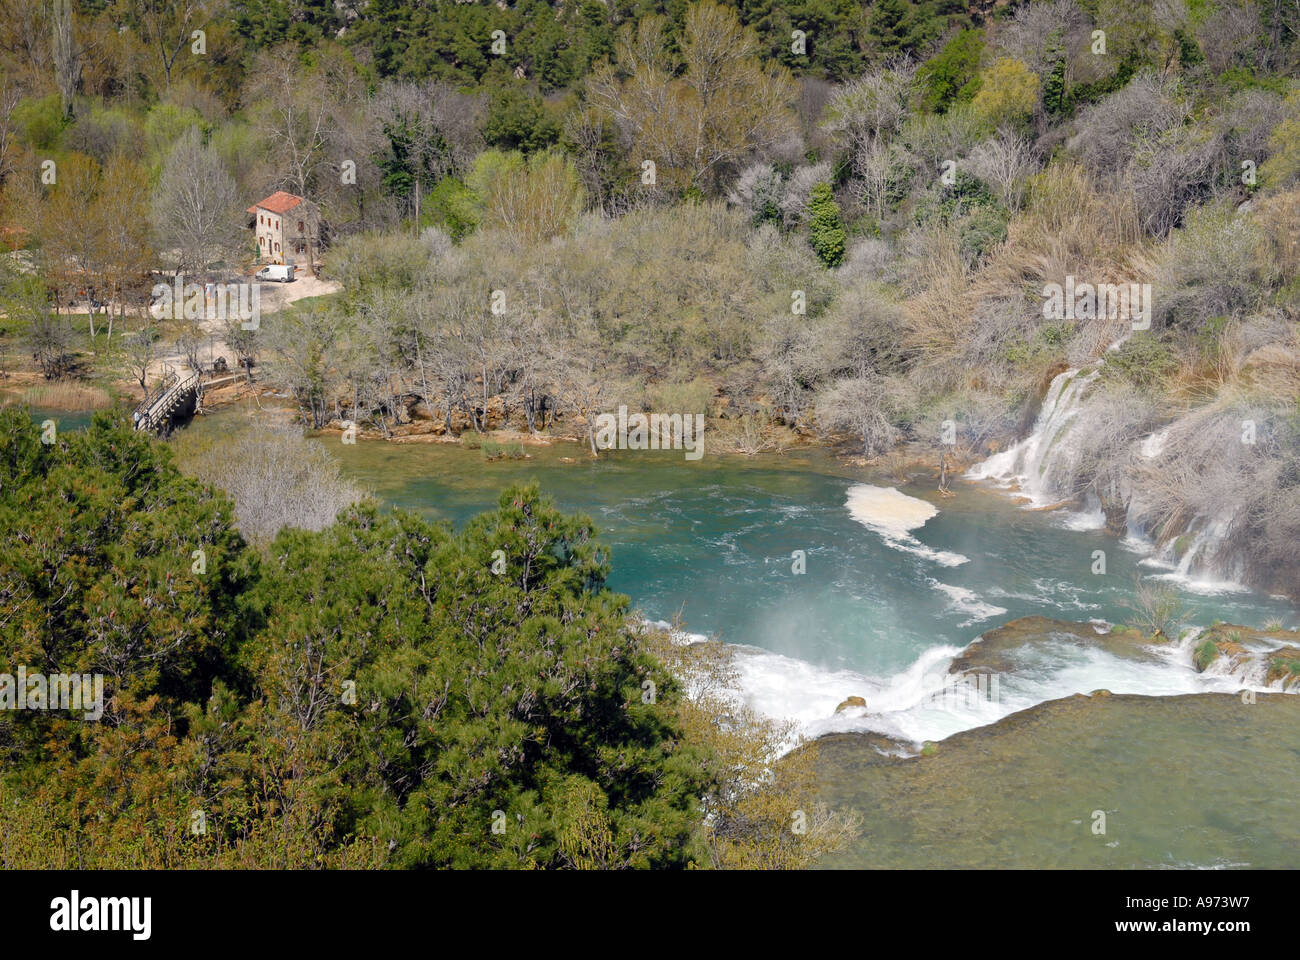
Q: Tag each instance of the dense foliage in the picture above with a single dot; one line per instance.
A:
(373, 693)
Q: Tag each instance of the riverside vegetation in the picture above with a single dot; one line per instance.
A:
(846, 242)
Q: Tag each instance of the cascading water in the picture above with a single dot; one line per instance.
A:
(1041, 466)
(1197, 559)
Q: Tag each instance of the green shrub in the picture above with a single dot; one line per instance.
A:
(826, 231)
(1205, 654)
(1142, 360)
(452, 206)
(953, 74)
(983, 229)
(41, 121)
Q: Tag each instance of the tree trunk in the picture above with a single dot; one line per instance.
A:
(424, 380)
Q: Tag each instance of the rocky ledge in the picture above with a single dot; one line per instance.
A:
(998, 650)
(1270, 657)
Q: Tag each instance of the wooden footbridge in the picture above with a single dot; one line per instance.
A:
(176, 397)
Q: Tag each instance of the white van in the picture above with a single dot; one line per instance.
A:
(281, 272)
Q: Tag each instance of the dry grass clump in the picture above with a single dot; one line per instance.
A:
(65, 395)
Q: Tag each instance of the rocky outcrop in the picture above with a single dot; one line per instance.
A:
(997, 651)
(851, 702)
(1284, 668)
(1271, 657)
(1210, 650)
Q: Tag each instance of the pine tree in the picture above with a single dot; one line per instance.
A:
(1055, 100)
(826, 231)
(889, 25)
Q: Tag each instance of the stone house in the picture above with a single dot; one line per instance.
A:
(287, 229)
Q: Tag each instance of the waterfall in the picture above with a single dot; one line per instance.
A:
(1202, 567)
(1041, 466)
(1196, 559)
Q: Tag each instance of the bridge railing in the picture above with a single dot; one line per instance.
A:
(159, 403)
(152, 396)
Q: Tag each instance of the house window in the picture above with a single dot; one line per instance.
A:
(277, 248)
(261, 241)
(300, 226)
(277, 224)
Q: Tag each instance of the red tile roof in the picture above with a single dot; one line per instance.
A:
(278, 202)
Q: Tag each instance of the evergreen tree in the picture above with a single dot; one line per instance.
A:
(1055, 97)
(826, 232)
(432, 707)
(889, 25)
(952, 75)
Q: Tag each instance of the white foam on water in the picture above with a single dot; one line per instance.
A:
(682, 638)
(1237, 672)
(1041, 467)
(919, 703)
(967, 602)
(1091, 519)
(1206, 586)
(1062, 594)
(1092, 668)
(789, 689)
(926, 702)
(894, 516)
(1197, 570)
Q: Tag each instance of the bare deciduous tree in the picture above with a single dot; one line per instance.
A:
(1005, 163)
(141, 351)
(872, 108)
(9, 97)
(295, 117)
(862, 405)
(723, 106)
(276, 477)
(435, 126)
(1110, 132)
(65, 52)
(168, 26)
(196, 208)
(128, 256)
